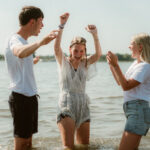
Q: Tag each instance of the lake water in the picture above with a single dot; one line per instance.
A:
(107, 118)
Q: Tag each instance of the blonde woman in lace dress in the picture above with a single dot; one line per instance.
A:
(73, 117)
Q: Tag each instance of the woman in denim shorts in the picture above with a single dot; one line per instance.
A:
(136, 86)
(73, 115)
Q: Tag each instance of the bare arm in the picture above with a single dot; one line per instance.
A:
(57, 47)
(22, 51)
(112, 69)
(126, 84)
(98, 52)
(114, 74)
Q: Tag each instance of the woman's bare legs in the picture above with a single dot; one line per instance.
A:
(83, 133)
(130, 141)
(67, 129)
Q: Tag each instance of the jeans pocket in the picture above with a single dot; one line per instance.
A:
(147, 115)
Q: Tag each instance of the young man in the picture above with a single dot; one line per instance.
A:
(19, 58)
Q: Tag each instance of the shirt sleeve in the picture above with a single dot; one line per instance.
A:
(141, 73)
(14, 42)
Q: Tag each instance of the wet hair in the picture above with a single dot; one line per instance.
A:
(82, 41)
(29, 12)
(78, 40)
(144, 40)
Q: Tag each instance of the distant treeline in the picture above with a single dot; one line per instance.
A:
(121, 57)
(1, 57)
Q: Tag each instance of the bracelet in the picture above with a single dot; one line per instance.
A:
(61, 26)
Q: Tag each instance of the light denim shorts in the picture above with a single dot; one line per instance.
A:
(137, 113)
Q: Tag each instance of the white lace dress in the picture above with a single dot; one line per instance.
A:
(73, 100)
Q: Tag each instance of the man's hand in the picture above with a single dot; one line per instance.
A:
(49, 37)
(36, 59)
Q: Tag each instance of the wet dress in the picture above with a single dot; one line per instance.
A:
(73, 101)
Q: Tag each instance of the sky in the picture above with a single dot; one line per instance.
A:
(116, 20)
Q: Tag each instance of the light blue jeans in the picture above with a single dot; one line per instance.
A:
(137, 113)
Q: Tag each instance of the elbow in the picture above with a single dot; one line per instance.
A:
(20, 55)
(126, 88)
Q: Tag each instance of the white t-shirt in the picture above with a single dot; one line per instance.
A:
(141, 73)
(20, 70)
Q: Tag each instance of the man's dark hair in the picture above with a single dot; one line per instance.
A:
(29, 12)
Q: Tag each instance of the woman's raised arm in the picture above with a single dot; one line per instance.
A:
(57, 47)
(98, 52)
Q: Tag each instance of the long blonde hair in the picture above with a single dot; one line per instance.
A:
(144, 40)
